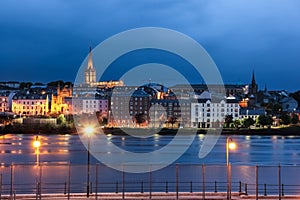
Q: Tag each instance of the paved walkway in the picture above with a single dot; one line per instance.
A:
(144, 196)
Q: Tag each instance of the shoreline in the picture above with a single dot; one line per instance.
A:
(70, 130)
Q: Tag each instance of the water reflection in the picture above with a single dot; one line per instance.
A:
(252, 150)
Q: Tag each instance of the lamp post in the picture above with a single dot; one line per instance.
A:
(88, 131)
(230, 145)
(36, 145)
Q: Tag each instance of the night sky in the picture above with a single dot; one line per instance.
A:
(47, 40)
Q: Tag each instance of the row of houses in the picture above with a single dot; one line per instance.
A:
(123, 106)
(127, 106)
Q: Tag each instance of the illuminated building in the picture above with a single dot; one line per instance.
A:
(30, 104)
(58, 104)
(4, 102)
(90, 78)
(208, 114)
(89, 105)
(128, 107)
(90, 71)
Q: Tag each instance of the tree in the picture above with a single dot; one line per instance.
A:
(265, 120)
(248, 122)
(274, 108)
(172, 120)
(296, 96)
(102, 119)
(25, 85)
(237, 123)
(228, 120)
(285, 118)
(295, 119)
(55, 83)
(140, 118)
(61, 119)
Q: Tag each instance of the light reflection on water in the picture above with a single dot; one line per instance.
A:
(251, 150)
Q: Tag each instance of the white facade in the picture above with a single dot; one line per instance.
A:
(6, 101)
(30, 105)
(289, 104)
(207, 114)
(4, 105)
(252, 113)
(89, 105)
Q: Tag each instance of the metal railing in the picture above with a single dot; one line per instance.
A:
(66, 179)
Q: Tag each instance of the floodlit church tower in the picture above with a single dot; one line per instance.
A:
(253, 89)
(90, 72)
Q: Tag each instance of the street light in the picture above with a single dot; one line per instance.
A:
(36, 145)
(88, 131)
(230, 145)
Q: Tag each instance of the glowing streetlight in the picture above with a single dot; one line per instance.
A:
(36, 145)
(88, 131)
(230, 145)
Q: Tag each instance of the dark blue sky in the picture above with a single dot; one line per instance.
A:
(47, 40)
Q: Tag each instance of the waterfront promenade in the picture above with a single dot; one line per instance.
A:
(153, 196)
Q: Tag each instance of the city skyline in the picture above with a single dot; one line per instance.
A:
(47, 41)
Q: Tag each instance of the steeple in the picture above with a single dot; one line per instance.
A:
(266, 87)
(253, 82)
(90, 71)
(58, 88)
(90, 60)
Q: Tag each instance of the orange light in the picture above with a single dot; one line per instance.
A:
(232, 145)
(89, 130)
(36, 143)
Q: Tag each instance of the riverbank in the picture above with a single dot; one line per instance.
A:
(291, 130)
(48, 129)
(44, 129)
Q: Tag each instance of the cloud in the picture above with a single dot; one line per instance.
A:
(56, 33)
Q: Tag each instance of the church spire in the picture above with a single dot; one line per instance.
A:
(90, 71)
(253, 82)
(266, 87)
(90, 60)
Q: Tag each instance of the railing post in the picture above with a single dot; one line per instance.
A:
(150, 182)
(203, 181)
(167, 188)
(65, 188)
(117, 187)
(279, 182)
(191, 187)
(282, 189)
(240, 187)
(216, 187)
(40, 183)
(123, 184)
(177, 179)
(11, 180)
(256, 182)
(265, 189)
(91, 187)
(142, 187)
(246, 189)
(69, 180)
(37, 189)
(96, 187)
(0, 186)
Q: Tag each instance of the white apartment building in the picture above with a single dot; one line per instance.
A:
(208, 114)
(88, 105)
(30, 104)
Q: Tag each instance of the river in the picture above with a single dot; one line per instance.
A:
(268, 152)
